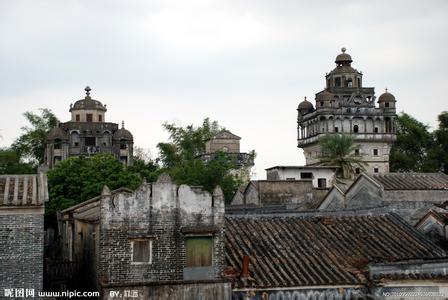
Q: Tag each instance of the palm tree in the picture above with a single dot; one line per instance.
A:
(339, 151)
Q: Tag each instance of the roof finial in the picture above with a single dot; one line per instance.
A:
(305, 99)
(343, 49)
(386, 90)
(122, 124)
(87, 89)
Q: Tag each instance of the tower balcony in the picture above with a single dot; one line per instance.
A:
(239, 159)
(358, 137)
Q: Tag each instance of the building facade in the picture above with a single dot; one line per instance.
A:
(22, 199)
(88, 133)
(229, 143)
(163, 240)
(345, 106)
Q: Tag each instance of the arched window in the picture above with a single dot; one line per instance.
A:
(57, 144)
(123, 144)
(356, 129)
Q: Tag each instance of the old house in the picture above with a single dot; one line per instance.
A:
(277, 195)
(162, 241)
(434, 224)
(408, 194)
(22, 199)
(88, 133)
(346, 255)
(322, 176)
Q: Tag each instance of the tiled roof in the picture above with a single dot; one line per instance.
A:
(22, 190)
(413, 181)
(317, 249)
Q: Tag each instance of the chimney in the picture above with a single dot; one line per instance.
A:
(245, 268)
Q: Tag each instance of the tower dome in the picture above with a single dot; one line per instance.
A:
(386, 97)
(123, 134)
(343, 58)
(305, 107)
(88, 109)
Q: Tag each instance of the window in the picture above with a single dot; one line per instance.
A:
(376, 129)
(356, 129)
(321, 103)
(89, 117)
(359, 82)
(100, 118)
(123, 144)
(357, 152)
(199, 251)
(90, 141)
(57, 144)
(321, 183)
(375, 170)
(306, 175)
(357, 170)
(141, 251)
(386, 104)
(78, 118)
(337, 82)
(375, 152)
(336, 129)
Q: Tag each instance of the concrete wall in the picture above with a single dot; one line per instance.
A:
(158, 212)
(21, 249)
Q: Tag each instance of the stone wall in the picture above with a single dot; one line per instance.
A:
(163, 213)
(21, 250)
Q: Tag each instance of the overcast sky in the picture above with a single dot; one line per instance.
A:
(246, 64)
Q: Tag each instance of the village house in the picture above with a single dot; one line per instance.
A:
(408, 194)
(162, 241)
(22, 199)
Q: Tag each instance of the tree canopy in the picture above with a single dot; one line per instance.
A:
(30, 145)
(413, 149)
(80, 178)
(180, 157)
(339, 151)
(10, 163)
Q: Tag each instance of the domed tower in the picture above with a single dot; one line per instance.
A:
(345, 106)
(88, 133)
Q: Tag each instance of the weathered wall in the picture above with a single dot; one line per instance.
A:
(21, 250)
(436, 196)
(159, 212)
(215, 145)
(302, 294)
(178, 291)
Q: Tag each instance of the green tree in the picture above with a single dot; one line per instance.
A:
(339, 151)
(10, 163)
(30, 145)
(439, 153)
(180, 157)
(410, 152)
(78, 179)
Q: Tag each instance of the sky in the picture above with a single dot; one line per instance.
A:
(246, 64)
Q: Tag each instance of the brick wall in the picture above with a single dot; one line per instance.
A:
(21, 251)
(158, 212)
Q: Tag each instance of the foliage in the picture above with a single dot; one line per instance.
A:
(181, 158)
(80, 178)
(186, 143)
(410, 152)
(440, 152)
(10, 163)
(338, 150)
(31, 144)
